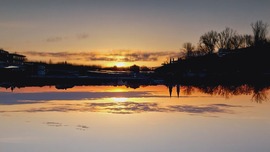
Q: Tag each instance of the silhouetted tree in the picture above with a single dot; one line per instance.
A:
(188, 49)
(259, 95)
(209, 41)
(197, 53)
(135, 68)
(228, 66)
(202, 50)
(145, 68)
(237, 41)
(248, 40)
(260, 32)
(225, 38)
(188, 90)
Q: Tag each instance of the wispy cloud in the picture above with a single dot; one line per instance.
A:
(54, 124)
(32, 98)
(135, 107)
(120, 56)
(98, 58)
(54, 39)
(126, 107)
(130, 107)
(82, 36)
(198, 109)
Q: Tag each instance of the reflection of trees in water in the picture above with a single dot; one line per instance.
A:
(227, 91)
(178, 90)
(170, 87)
(259, 93)
(188, 90)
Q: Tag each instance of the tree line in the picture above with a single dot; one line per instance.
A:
(240, 58)
(228, 39)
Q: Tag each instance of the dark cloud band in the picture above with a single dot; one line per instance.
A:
(121, 56)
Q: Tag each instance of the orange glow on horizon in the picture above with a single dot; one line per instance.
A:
(103, 58)
(119, 99)
(120, 64)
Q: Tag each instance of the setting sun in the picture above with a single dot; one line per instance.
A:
(120, 64)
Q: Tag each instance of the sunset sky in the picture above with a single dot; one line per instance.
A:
(118, 32)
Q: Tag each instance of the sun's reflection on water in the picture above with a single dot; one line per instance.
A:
(119, 99)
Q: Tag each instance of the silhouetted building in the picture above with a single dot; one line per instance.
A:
(3, 56)
(16, 59)
(11, 58)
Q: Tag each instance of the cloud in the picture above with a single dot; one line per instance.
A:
(71, 55)
(52, 109)
(54, 39)
(132, 56)
(126, 107)
(95, 58)
(198, 109)
(82, 36)
(58, 124)
(8, 98)
(130, 107)
(17, 102)
(134, 107)
(118, 56)
(82, 127)
(138, 56)
(54, 124)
